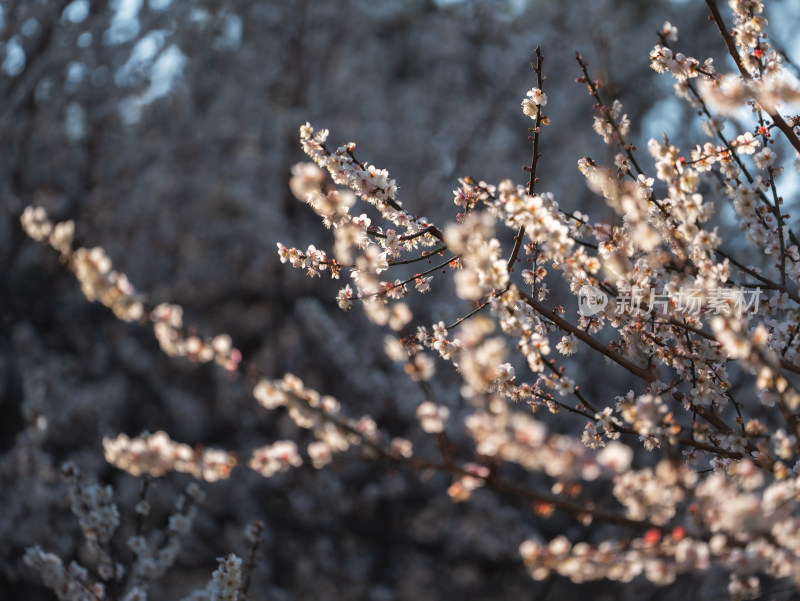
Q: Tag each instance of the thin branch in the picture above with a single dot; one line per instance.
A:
(537, 68)
(766, 281)
(422, 257)
(785, 128)
(471, 313)
(640, 372)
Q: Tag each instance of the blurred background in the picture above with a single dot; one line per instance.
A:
(167, 130)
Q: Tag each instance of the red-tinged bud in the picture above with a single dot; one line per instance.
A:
(543, 509)
(652, 536)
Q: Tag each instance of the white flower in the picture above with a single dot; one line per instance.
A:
(746, 143)
(568, 345)
(227, 579)
(616, 457)
(344, 298)
(765, 158)
(565, 386)
(432, 417)
(423, 283)
(670, 32)
(535, 99)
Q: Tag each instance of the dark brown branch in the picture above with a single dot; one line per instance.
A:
(645, 374)
(537, 68)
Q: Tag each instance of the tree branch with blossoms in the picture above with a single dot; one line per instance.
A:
(749, 24)
(713, 480)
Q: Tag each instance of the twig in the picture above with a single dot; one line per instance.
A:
(732, 50)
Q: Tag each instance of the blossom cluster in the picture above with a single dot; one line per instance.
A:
(98, 517)
(367, 249)
(92, 267)
(715, 392)
(226, 583)
(535, 99)
(170, 333)
(156, 455)
(666, 238)
(728, 504)
(71, 583)
(321, 414)
(518, 438)
(154, 552)
(276, 457)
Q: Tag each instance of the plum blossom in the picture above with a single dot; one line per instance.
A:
(535, 99)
